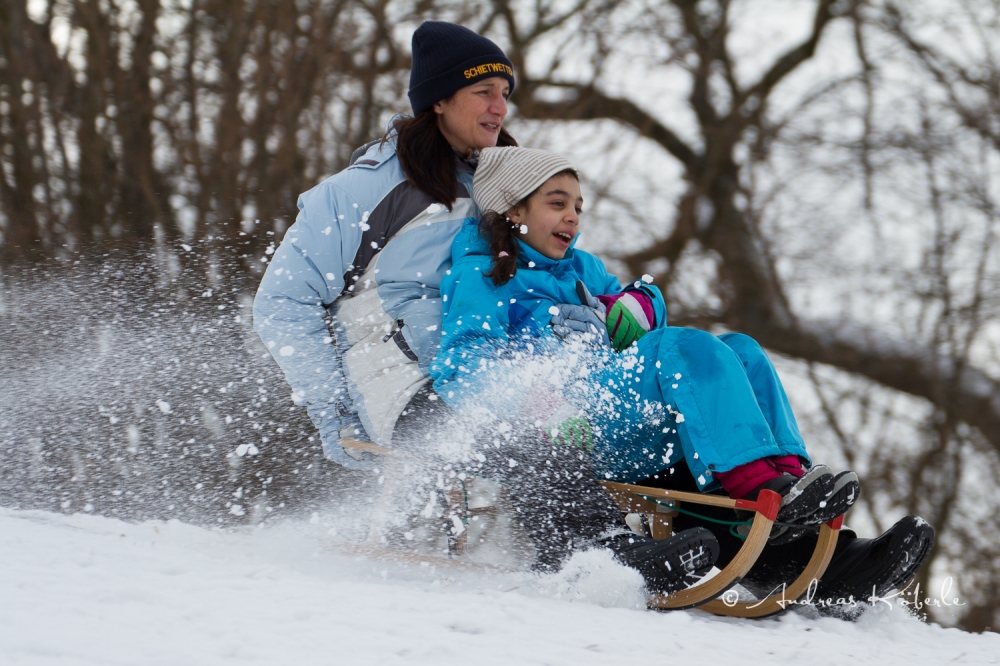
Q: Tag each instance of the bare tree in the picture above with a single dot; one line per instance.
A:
(196, 120)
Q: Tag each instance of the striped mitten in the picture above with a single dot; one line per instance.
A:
(630, 316)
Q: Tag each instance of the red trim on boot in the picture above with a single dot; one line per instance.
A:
(740, 480)
(790, 463)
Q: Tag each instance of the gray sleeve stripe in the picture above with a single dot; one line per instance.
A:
(399, 206)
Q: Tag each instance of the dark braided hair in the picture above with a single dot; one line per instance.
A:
(502, 234)
(426, 156)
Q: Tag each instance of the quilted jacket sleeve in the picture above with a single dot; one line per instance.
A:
(305, 276)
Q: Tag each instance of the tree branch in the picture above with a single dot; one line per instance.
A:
(786, 64)
(908, 368)
(589, 103)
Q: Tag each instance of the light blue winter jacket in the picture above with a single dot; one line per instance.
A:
(349, 306)
(482, 321)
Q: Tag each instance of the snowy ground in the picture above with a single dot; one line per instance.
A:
(89, 590)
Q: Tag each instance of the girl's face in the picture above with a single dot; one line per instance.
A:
(552, 216)
(471, 118)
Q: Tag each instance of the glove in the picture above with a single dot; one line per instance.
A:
(333, 425)
(574, 431)
(560, 422)
(587, 320)
(630, 316)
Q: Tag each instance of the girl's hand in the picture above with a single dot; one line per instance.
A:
(574, 431)
(560, 421)
(630, 316)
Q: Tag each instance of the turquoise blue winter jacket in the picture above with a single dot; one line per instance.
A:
(678, 392)
(481, 321)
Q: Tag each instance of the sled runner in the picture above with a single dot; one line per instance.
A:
(659, 506)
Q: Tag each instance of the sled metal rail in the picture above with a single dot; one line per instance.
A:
(657, 503)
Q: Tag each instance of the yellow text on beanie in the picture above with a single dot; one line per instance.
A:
(447, 57)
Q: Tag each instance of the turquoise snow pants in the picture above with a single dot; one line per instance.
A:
(716, 401)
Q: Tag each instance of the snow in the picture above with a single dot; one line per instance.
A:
(85, 589)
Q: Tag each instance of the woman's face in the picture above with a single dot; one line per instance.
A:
(551, 215)
(471, 118)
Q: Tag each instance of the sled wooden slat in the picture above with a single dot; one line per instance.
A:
(661, 526)
(630, 502)
(417, 559)
(370, 447)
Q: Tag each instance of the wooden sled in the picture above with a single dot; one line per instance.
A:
(658, 505)
(393, 461)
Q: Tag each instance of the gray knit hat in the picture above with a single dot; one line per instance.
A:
(507, 175)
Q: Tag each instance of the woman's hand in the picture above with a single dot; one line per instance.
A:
(584, 321)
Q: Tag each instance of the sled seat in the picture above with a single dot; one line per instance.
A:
(659, 506)
(459, 506)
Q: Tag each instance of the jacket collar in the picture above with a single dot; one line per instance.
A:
(529, 254)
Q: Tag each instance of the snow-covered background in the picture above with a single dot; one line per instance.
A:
(165, 502)
(87, 590)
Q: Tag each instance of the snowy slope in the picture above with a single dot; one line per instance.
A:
(89, 590)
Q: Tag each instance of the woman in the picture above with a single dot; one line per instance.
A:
(361, 268)
(343, 261)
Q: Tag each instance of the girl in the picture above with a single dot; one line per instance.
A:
(641, 394)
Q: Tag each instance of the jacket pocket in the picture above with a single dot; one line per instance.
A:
(396, 335)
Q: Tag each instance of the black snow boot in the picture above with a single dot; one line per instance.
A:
(845, 492)
(863, 570)
(668, 565)
(800, 497)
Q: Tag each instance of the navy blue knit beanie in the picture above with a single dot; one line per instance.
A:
(447, 57)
